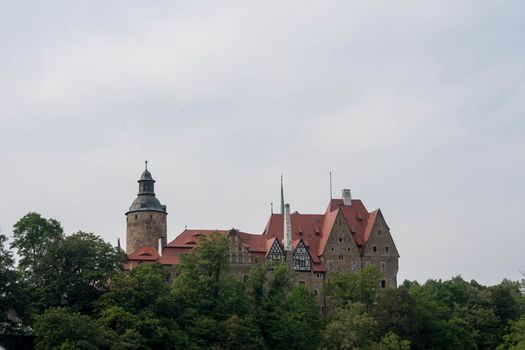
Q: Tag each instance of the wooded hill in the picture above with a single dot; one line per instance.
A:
(68, 292)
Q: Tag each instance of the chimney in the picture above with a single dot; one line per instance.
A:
(347, 197)
(287, 241)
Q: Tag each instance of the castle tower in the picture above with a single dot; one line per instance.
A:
(146, 219)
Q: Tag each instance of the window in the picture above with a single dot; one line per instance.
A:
(332, 248)
(341, 257)
(354, 265)
(136, 216)
(301, 258)
(276, 253)
(375, 248)
(348, 249)
(318, 275)
(383, 283)
(302, 283)
(379, 232)
(316, 292)
(340, 239)
(386, 250)
(151, 216)
(330, 265)
(383, 267)
(245, 278)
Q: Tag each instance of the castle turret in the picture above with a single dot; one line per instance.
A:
(146, 218)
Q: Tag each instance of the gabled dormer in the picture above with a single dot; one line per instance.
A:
(276, 252)
(302, 261)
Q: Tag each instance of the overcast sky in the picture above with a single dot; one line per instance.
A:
(417, 106)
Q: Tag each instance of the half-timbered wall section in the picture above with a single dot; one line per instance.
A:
(301, 258)
(276, 253)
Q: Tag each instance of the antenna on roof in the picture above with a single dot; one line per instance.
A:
(330, 185)
(146, 163)
(282, 195)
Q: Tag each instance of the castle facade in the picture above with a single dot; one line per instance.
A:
(346, 237)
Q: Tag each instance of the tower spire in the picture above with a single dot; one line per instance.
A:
(282, 195)
(146, 164)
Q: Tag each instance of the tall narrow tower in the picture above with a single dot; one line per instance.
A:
(146, 218)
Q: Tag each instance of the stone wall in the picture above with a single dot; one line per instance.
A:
(145, 228)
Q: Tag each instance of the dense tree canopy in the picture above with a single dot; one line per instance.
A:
(69, 291)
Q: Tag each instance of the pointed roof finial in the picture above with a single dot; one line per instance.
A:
(118, 243)
(282, 195)
(146, 164)
(271, 206)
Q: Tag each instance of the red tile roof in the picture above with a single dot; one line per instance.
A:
(313, 229)
(145, 253)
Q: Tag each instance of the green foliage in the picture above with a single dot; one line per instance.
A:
(391, 341)
(350, 328)
(69, 290)
(515, 337)
(61, 328)
(354, 287)
(396, 311)
(140, 311)
(32, 235)
(73, 271)
(11, 292)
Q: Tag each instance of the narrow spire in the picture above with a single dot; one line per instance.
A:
(118, 243)
(330, 185)
(146, 164)
(271, 205)
(282, 195)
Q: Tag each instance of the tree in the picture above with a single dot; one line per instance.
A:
(140, 311)
(354, 287)
(391, 341)
(396, 311)
(73, 271)
(11, 293)
(515, 337)
(32, 234)
(61, 328)
(350, 328)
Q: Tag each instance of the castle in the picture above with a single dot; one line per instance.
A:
(346, 237)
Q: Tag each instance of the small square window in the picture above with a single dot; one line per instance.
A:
(375, 248)
(318, 275)
(386, 250)
(341, 257)
(332, 248)
(383, 267)
(302, 283)
(383, 283)
(348, 249)
(316, 292)
(340, 239)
